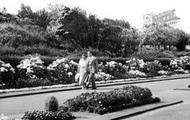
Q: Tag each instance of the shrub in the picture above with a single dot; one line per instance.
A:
(52, 104)
(135, 64)
(117, 99)
(62, 71)
(152, 68)
(6, 75)
(44, 51)
(31, 72)
(113, 68)
(7, 51)
(48, 115)
(185, 62)
(32, 82)
(33, 68)
(176, 64)
(182, 53)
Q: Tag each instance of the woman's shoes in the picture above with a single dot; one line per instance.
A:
(93, 88)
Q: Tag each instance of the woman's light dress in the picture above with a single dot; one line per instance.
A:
(83, 67)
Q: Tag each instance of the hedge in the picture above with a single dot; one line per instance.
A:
(15, 60)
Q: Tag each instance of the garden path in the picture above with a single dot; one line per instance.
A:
(162, 89)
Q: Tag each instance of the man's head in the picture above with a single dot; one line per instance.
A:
(89, 54)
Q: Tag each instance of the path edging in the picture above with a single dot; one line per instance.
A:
(107, 117)
(43, 91)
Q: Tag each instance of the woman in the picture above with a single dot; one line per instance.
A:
(83, 70)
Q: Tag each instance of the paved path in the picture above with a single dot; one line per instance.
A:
(163, 89)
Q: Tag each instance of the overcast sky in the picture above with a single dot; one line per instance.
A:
(129, 10)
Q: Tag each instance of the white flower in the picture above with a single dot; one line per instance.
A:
(74, 63)
(163, 72)
(24, 64)
(70, 73)
(137, 72)
(66, 66)
(103, 76)
(2, 69)
(29, 70)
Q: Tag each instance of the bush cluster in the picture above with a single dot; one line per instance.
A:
(117, 99)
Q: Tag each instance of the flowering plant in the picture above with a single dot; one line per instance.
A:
(102, 76)
(48, 115)
(63, 70)
(185, 62)
(32, 67)
(163, 72)
(135, 64)
(136, 73)
(152, 68)
(5, 67)
(176, 64)
(113, 68)
(6, 74)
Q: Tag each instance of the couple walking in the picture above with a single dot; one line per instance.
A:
(88, 66)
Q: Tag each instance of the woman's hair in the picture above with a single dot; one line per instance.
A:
(84, 54)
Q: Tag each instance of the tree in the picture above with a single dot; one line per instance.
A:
(6, 17)
(131, 41)
(159, 36)
(182, 40)
(54, 14)
(42, 18)
(25, 12)
(90, 32)
(73, 26)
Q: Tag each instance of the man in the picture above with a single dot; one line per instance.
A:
(93, 68)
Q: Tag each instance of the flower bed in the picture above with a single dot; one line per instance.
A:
(31, 72)
(117, 99)
(48, 115)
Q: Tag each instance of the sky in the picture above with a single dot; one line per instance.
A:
(128, 10)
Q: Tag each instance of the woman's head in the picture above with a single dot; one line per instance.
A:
(84, 55)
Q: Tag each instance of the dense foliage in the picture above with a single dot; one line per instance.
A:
(64, 29)
(117, 99)
(165, 37)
